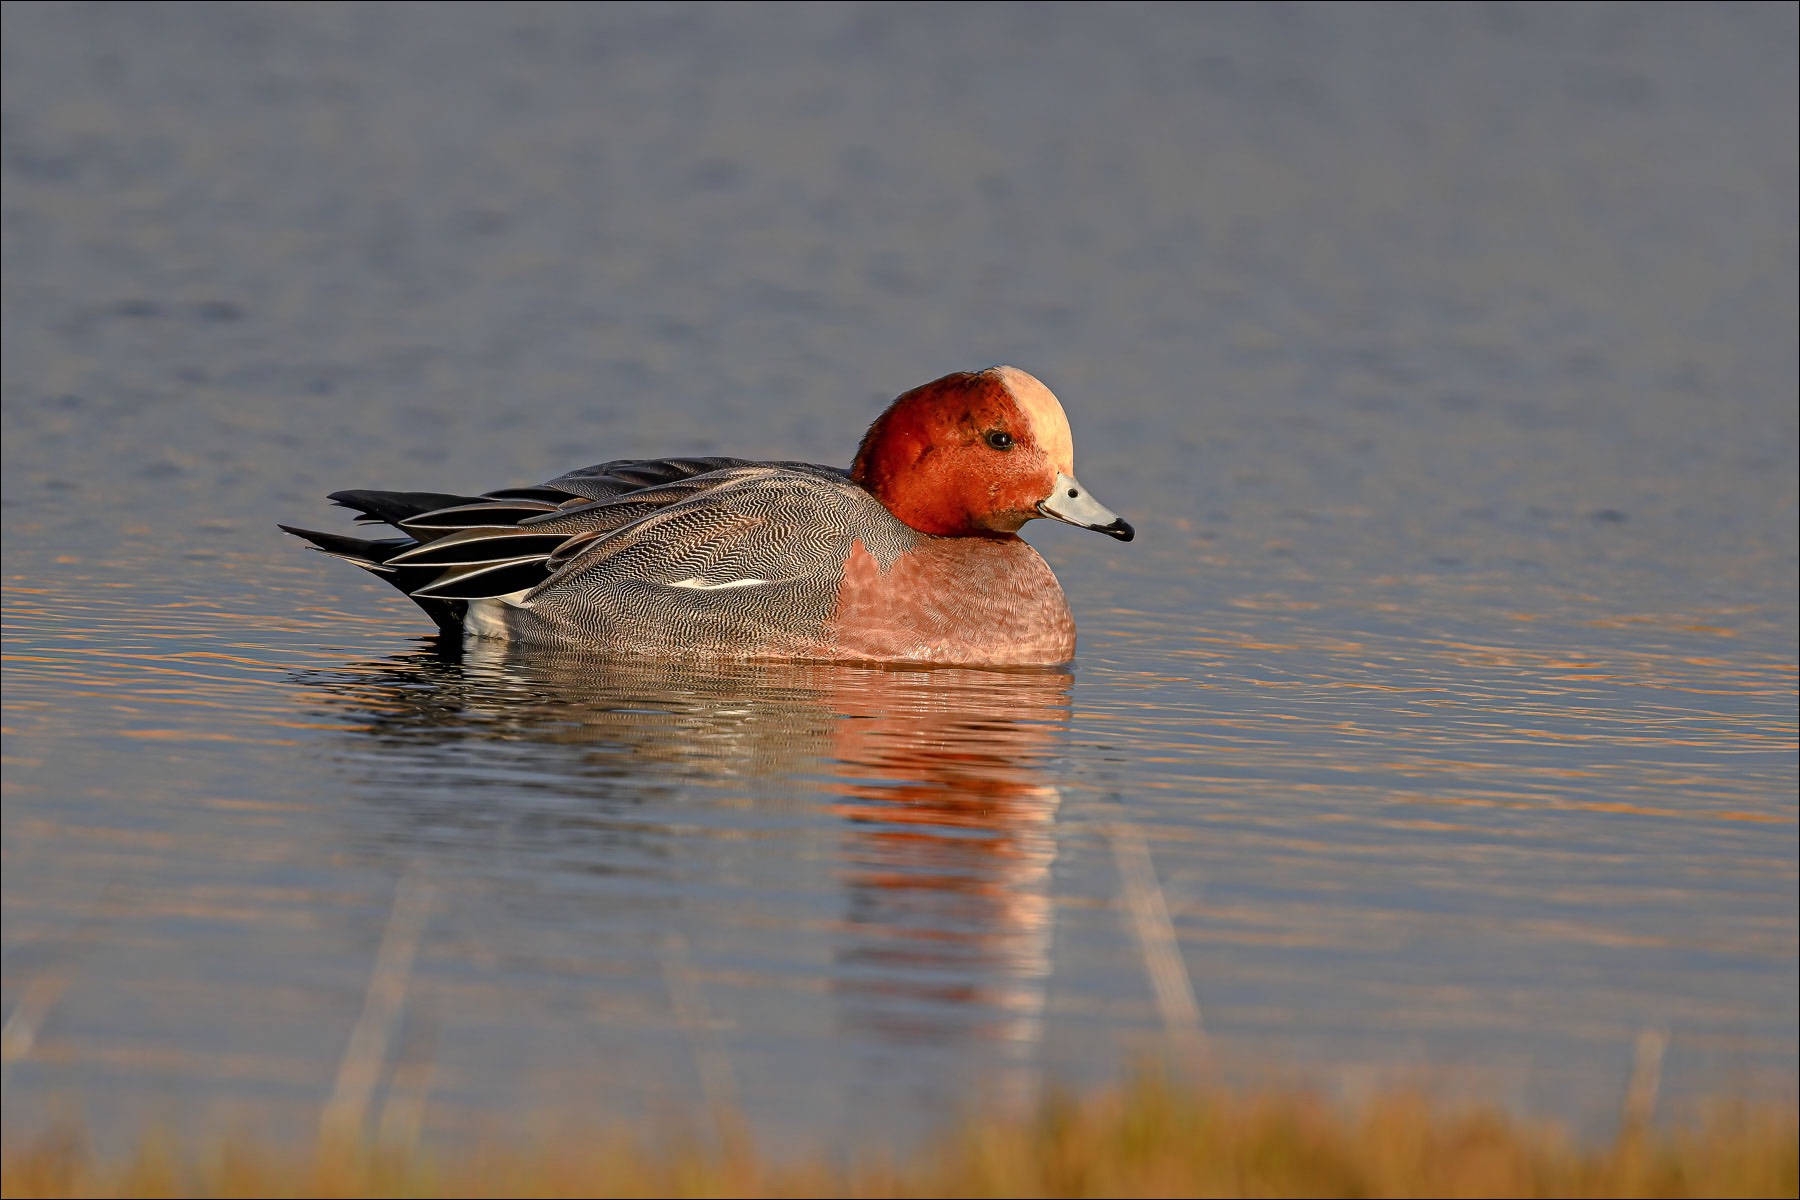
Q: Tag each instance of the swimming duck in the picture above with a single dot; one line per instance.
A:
(911, 555)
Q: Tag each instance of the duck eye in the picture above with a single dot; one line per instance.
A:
(999, 439)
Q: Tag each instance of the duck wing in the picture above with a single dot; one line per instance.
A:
(744, 556)
(735, 526)
(696, 525)
(495, 518)
(608, 479)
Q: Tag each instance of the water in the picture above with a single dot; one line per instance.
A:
(1445, 361)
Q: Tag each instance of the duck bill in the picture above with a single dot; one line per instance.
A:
(1069, 501)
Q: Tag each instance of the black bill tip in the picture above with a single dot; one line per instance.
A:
(1120, 529)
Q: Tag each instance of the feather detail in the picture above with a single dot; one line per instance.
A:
(715, 547)
(473, 546)
(484, 514)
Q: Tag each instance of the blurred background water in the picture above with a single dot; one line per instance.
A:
(1444, 357)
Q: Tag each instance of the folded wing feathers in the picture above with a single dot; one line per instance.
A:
(484, 514)
(513, 539)
(469, 547)
(483, 580)
(369, 554)
(391, 508)
(623, 475)
(542, 492)
(755, 525)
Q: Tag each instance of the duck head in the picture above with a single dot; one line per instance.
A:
(978, 454)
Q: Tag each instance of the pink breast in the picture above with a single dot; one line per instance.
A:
(988, 601)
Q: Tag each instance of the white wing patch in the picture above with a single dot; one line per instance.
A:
(702, 585)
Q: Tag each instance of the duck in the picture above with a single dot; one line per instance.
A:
(911, 554)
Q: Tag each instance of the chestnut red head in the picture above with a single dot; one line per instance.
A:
(978, 454)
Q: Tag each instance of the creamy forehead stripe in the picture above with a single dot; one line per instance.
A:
(1049, 427)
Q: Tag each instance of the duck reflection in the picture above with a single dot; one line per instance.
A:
(936, 782)
(942, 780)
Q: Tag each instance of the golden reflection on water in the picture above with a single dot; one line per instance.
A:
(940, 778)
(1330, 789)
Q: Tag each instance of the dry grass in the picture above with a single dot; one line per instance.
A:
(1156, 1137)
(1153, 1138)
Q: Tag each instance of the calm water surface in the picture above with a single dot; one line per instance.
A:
(1445, 361)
